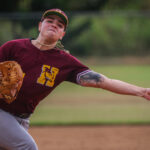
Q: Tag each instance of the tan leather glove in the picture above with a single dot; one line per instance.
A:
(11, 78)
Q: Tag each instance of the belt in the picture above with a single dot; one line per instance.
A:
(23, 115)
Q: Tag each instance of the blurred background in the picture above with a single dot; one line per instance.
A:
(110, 36)
(102, 28)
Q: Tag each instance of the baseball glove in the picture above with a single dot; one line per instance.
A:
(11, 78)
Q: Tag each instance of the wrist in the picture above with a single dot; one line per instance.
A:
(143, 92)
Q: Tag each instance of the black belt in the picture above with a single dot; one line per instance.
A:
(23, 115)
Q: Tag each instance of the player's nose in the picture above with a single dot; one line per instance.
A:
(54, 24)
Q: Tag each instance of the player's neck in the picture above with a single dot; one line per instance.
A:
(43, 46)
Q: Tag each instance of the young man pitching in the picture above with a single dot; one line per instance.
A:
(45, 66)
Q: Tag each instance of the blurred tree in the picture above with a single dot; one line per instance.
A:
(41, 5)
(24, 5)
(9, 5)
(69, 5)
(127, 4)
(88, 5)
(72, 5)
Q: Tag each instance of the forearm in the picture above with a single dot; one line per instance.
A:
(93, 79)
(121, 87)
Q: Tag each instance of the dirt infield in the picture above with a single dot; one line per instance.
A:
(92, 137)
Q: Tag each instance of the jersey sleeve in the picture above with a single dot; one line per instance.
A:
(76, 69)
(5, 51)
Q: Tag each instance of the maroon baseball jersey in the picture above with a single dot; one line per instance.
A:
(44, 70)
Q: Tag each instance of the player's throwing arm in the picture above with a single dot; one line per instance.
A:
(93, 79)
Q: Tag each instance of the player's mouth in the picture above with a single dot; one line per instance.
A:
(53, 30)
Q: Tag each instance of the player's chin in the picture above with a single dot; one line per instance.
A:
(53, 37)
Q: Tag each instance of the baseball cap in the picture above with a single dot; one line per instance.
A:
(57, 12)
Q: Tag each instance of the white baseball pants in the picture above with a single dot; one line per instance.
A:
(14, 133)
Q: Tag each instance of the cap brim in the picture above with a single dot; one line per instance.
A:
(58, 14)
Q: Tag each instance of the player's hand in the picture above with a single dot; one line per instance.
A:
(147, 93)
(14, 88)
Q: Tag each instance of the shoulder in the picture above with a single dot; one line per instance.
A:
(15, 42)
(68, 57)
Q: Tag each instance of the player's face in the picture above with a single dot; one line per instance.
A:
(52, 28)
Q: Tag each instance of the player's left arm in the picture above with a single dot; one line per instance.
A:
(94, 79)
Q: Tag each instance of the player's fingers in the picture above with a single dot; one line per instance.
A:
(13, 92)
(16, 88)
(147, 94)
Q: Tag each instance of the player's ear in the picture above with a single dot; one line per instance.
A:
(39, 27)
(63, 34)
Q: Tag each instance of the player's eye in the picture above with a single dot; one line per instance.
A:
(50, 21)
(60, 25)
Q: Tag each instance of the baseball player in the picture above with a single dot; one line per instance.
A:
(45, 66)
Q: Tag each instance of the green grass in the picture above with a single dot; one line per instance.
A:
(71, 104)
(92, 115)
